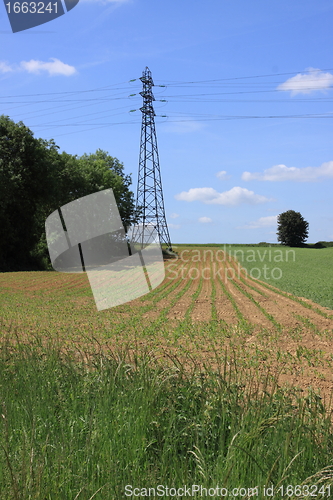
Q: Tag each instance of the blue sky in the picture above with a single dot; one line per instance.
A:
(246, 130)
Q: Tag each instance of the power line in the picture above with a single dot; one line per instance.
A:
(109, 95)
(68, 92)
(218, 118)
(171, 82)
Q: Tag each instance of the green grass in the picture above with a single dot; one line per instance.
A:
(91, 402)
(81, 430)
(304, 272)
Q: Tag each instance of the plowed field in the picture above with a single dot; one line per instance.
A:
(206, 309)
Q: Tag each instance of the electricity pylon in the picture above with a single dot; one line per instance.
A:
(149, 191)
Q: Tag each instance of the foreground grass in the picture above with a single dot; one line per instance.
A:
(83, 427)
(79, 422)
(305, 272)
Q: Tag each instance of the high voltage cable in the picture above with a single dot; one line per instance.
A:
(61, 106)
(120, 91)
(95, 128)
(247, 92)
(249, 101)
(102, 98)
(172, 83)
(89, 114)
(69, 91)
(245, 77)
(232, 84)
(69, 100)
(198, 118)
(53, 107)
(204, 94)
(80, 116)
(222, 117)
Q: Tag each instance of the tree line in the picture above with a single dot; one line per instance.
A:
(35, 180)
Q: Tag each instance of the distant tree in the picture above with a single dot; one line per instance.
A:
(292, 228)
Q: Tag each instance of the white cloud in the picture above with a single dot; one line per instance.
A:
(271, 220)
(283, 173)
(56, 67)
(222, 175)
(204, 220)
(197, 194)
(4, 67)
(173, 226)
(174, 216)
(308, 82)
(233, 197)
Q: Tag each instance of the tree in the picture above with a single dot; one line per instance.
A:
(35, 180)
(292, 228)
(102, 171)
(76, 177)
(26, 182)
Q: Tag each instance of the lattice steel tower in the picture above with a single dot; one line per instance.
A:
(149, 192)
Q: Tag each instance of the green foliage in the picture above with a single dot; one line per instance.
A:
(101, 171)
(71, 429)
(292, 228)
(25, 184)
(35, 180)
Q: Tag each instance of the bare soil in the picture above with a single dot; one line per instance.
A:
(292, 336)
